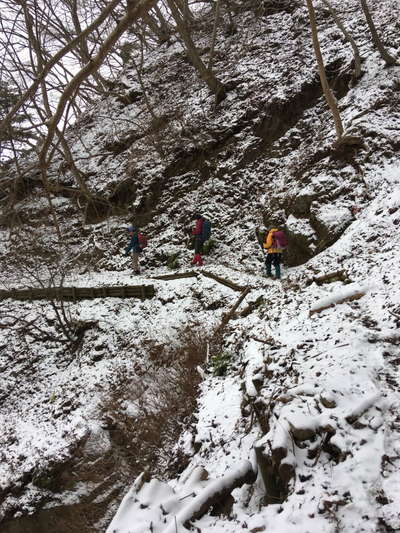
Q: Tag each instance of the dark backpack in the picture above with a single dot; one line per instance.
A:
(279, 240)
(143, 241)
(205, 230)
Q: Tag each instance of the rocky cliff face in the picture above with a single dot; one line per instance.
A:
(266, 151)
(267, 147)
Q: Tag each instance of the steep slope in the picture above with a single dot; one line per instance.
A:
(68, 412)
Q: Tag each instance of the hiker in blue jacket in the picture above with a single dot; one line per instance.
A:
(134, 248)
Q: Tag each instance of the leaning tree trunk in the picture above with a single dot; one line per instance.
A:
(349, 38)
(389, 60)
(162, 22)
(205, 74)
(330, 98)
(214, 34)
(160, 31)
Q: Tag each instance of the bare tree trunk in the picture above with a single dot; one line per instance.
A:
(36, 47)
(79, 176)
(18, 181)
(231, 26)
(349, 38)
(83, 45)
(163, 23)
(214, 34)
(39, 67)
(184, 8)
(160, 32)
(134, 11)
(205, 74)
(330, 98)
(389, 60)
(29, 93)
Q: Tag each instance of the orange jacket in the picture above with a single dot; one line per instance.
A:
(268, 243)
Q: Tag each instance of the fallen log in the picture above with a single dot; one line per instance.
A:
(227, 316)
(339, 275)
(252, 306)
(268, 340)
(345, 296)
(169, 277)
(223, 281)
(213, 493)
(362, 407)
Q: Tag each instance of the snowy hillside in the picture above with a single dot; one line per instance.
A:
(325, 388)
(288, 402)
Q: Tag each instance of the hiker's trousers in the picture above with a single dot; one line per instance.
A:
(135, 261)
(198, 245)
(273, 259)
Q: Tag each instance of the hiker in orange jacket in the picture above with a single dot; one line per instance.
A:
(274, 244)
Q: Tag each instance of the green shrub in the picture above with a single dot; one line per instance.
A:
(208, 246)
(220, 363)
(172, 261)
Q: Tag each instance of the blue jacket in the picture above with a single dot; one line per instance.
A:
(133, 245)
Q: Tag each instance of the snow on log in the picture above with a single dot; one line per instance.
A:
(281, 441)
(362, 407)
(349, 294)
(214, 492)
(339, 275)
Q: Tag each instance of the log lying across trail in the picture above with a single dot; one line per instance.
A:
(122, 291)
(170, 277)
(223, 281)
(80, 293)
(192, 274)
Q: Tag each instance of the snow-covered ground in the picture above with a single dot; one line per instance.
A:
(329, 384)
(312, 380)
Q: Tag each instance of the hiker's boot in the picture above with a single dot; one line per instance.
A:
(200, 261)
(195, 259)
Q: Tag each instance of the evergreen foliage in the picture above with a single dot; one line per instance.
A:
(220, 363)
(208, 246)
(173, 261)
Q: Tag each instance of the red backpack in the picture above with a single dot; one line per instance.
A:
(143, 241)
(279, 240)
